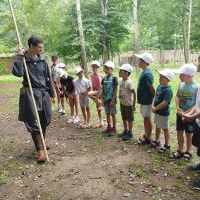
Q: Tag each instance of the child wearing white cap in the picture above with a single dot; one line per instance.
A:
(145, 94)
(83, 86)
(95, 94)
(194, 115)
(185, 100)
(60, 94)
(127, 98)
(160, 107)
(109, 95)
(68, 89)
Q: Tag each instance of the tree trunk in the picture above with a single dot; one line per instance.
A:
(187, 31)
(105, 42)
(82, 38)
(136, 27)
(136, 47)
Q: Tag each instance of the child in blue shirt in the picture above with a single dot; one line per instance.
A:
(185, 101)
(145, 94)
(161, 108)
(109, 95)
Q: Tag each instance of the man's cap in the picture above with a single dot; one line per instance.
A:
(187, 69)
(54, 58)
(147, 57)
(168, 73)
(110, 64)
(78, 70)
(96, 63)
(127, 68)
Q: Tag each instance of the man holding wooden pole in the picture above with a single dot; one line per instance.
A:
(43, 91)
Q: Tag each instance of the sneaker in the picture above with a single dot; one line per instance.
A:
(155, 144)
(60, 110)
(109, 129)
(71, 120)
(144, 141)
(164, 149)
(76, 119)
(112, 132)
(63, 112)
(122, 133)
(194, 168)
(127, 136)
(196, 184)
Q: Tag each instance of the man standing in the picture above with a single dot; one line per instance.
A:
(42, 85)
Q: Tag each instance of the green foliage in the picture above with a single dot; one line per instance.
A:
(161, 25)
(3, 67)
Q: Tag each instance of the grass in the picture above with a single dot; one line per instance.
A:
(9, 167)
(9, 78)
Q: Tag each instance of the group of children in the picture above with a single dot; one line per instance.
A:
(106, 90)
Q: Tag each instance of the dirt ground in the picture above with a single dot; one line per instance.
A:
(84, 164)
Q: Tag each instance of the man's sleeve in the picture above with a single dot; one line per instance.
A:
(18, 69)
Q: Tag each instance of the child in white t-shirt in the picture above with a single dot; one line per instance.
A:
(83, 86)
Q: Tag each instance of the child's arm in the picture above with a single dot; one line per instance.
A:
(134, 99)
(191, 116)
(152, 105)
(162, 105)
(177, 101)
(152, 89)
(91, 81)
(113, 101)
(115, 85)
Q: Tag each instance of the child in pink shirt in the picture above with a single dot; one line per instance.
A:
(95, 94)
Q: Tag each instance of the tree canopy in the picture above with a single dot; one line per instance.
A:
(161, 25)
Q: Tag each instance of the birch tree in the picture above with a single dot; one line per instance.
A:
(82, 37)
(105, 42)
(186, 19)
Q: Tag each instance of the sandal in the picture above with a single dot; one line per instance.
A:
(187, 156)
(164, 148)
(178, 154)
(143, 140)
(155, 144)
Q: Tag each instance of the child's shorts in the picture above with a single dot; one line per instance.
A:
(110, 110)
(182, 125)
(84, 101)
(145, 110)
(127, 113)
(196, 136)
(161, 122)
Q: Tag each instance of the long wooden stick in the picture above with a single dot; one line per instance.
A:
(29, 82)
